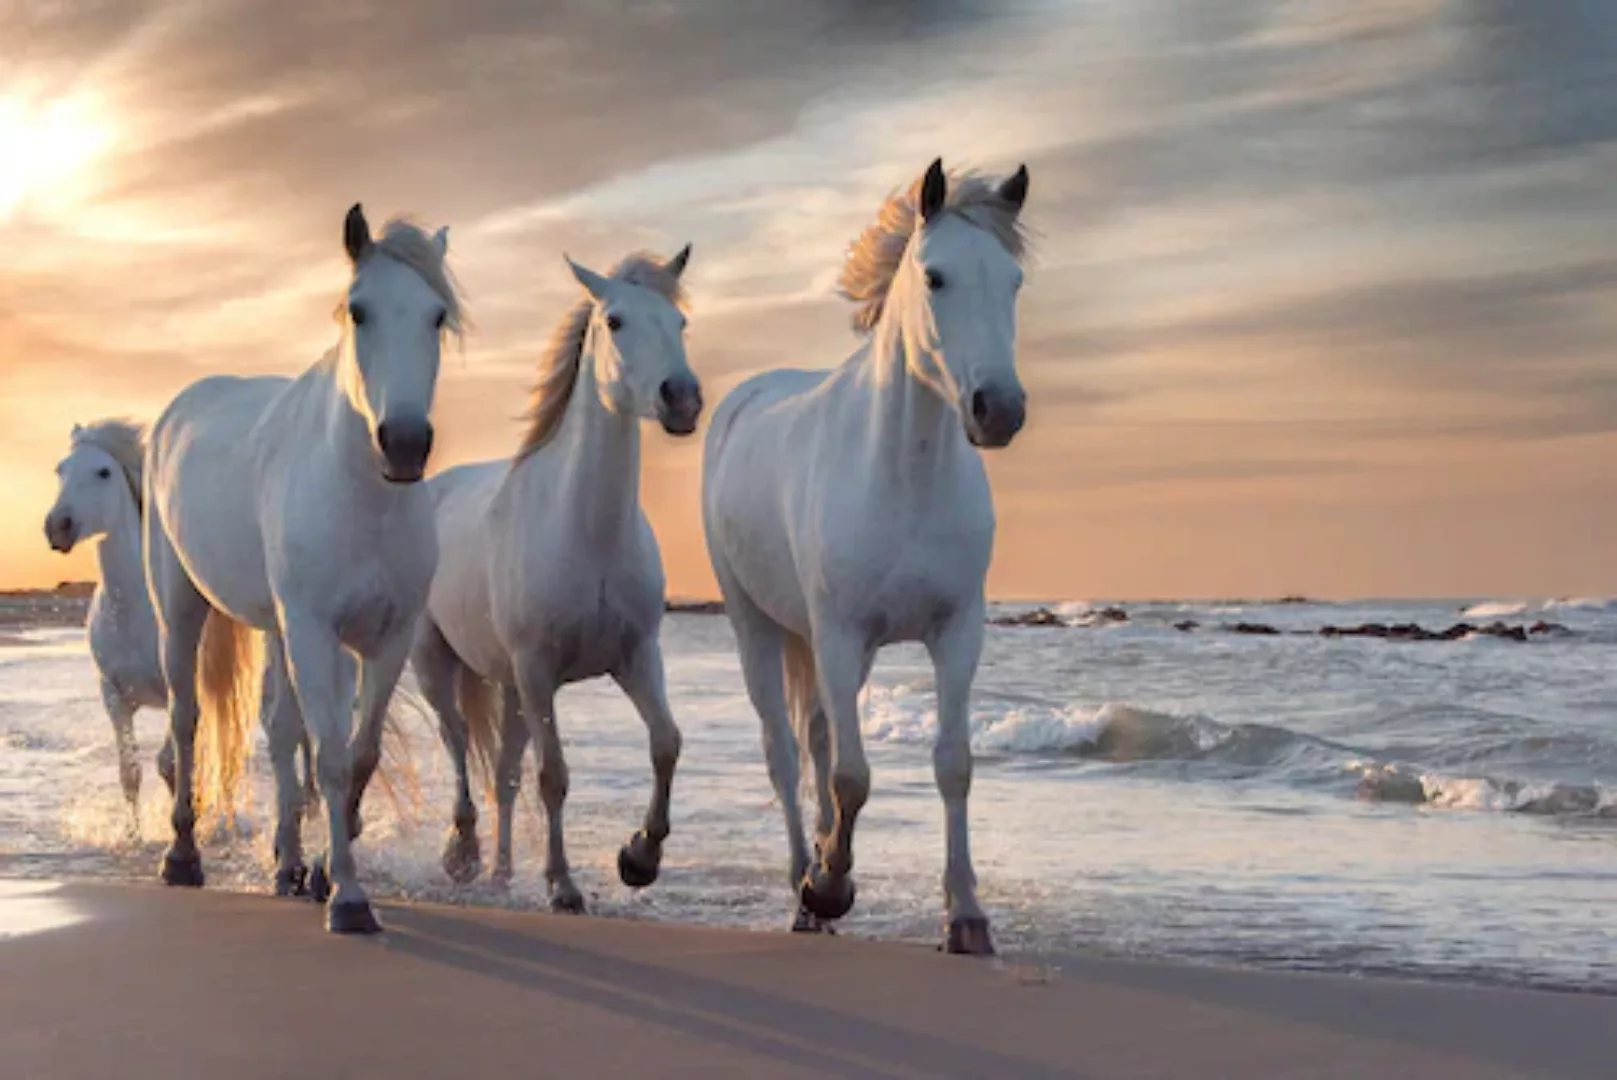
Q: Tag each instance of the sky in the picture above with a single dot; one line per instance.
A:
(1323, 301)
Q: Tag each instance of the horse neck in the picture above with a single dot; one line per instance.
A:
(596, 458)
(915, 432)
(118, 557)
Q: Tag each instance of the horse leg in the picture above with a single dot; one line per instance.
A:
(539, 706)
(643, 681)
(955, 649)
(436, 668)
(508, 782)
(379, 674)
(841, 658)
(283, 730)
(761, 644)
(122, 714)
(311, 786)
(324, 683)
(165, 764)
(181, 612)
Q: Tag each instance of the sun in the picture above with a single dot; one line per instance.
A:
(46, 148)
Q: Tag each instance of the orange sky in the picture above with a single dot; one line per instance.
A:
(1324, 299)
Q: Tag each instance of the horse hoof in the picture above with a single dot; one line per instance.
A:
(827, 899)
(809, 923)
(292, 882)
(182, 870)
(319, 882)
(351, 917)
(462, 861)
(638, 862)
(968, 936)
(567, 902)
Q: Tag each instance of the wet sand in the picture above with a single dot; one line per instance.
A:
(137, 982)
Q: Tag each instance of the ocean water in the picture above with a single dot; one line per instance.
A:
(1433, 809)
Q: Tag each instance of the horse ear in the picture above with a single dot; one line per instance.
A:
(440, 240)
(356, 234)
(1014, 189)
(934, 187)
(593, 283)
(676, 265)
(77, 428)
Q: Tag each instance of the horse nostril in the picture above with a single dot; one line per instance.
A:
(67, 523)
(667, 392)
(382, 436)
(979, 406)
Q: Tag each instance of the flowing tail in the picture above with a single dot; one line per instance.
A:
(802, 699)
(482, 706)
(230, 671)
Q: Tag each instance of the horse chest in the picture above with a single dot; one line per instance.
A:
(589, 630)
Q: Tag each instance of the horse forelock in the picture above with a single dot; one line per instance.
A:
(408, 243)
(876, 254)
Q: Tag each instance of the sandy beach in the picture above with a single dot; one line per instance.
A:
(136, 981)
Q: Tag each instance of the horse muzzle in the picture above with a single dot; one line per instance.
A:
(62, 532)
(994, 415)
(679, 405)
(405, 446)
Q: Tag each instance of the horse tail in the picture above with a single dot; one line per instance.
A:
(395, 771)
(230, 671)
(482, 707)
(802, 697)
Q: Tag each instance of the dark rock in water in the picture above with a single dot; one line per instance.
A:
(1389, 785)
(1293, 600)
(1187, 625)
(1562, 799)
(1549, 629)
(695, 607)
(1036, 617)
(1413, 632)
(1262, 629)
(1500, 630)
(1111, 615)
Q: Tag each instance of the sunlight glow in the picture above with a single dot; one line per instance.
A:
(44, 148)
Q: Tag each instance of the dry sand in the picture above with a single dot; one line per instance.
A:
(133, 982)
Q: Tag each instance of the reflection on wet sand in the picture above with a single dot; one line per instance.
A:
(29, 907)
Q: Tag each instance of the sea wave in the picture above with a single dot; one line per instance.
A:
(1496, 609)
(1396, 784)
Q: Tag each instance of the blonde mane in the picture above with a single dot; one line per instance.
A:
(125, 442)
(558, 365)
(406, 242)
(874, 258)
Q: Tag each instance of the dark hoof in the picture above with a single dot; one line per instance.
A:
(319, 882)
(462, 866)
(568, 902)
(826, 900)
(183, 870)
(968, 936)
(809, 923)
(638, 862)
(352, 917)
(292, 882)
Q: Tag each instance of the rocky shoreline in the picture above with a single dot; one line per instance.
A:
(1116, 616)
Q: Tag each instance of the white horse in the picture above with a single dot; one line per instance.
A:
(293, 506)
(845, 510)
(100, 497)
(550, 572)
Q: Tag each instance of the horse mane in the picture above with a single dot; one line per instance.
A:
(558, 365)
(125, 442)
(875, 256)
(405, 241)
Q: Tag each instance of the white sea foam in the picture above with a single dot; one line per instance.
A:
(1496, 609)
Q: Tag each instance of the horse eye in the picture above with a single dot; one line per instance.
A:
(614, 323)
(104, 473)
(439, 321)
(357, 313)
(934, 280)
